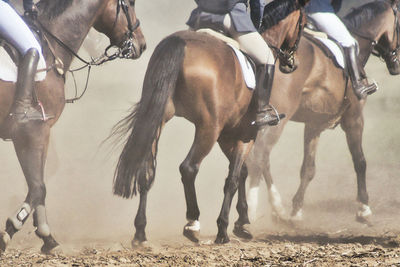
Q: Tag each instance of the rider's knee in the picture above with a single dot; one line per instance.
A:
(32, 52)
(349, 42)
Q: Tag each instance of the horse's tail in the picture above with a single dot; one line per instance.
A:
(137, 161)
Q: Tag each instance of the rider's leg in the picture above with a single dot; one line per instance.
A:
(254, 45)
(14, 30)
(334, 27)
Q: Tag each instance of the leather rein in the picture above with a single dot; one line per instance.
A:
(126, 50)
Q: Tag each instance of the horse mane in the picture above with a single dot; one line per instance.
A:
(362, 15)
(276, 11)
(53, 8)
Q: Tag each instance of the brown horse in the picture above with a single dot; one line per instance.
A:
(318, 94)
(196, 76)
(65, 25)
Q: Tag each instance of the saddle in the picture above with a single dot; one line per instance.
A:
(328, 46)
(246, 62)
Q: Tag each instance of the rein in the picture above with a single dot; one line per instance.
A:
(127, 50)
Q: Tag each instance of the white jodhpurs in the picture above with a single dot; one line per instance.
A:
(15, 31)
(332, 25)
(252, 43)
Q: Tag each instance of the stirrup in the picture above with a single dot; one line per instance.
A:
(31, 114)
(270, 119)
(367, 89)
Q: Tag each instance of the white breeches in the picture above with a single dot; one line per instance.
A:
(15, 31)
(332, 25)
(252, 43)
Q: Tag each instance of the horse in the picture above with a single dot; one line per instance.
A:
(196, 76)
(319, 95)
(64, 24)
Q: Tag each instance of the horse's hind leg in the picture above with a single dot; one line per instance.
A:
(353, 125)
(236, 151)
(30, 144)
(205, 138)
(311, 138)
(259, 166)
(144, 186)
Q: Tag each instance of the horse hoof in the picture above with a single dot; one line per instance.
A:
(242, 231)
(138, 243)
(50, 246)
(364, 220)
(192, 235)
(222, 240)
(57, 250)
(4, 240)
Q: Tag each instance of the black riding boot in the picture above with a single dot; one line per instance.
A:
(266, 113)
(360, 87)
(22, 110)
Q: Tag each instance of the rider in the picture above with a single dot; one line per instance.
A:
(15, 30)
(231, 17)
(322, 13)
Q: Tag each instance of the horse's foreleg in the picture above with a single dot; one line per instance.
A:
(311, 138)
(353, 128)
(205, 138)
(236, 153)
(31, 143)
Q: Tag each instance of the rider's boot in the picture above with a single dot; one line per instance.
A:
(360, 85)
(266, 113)
(22, 110)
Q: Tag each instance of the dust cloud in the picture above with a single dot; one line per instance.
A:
(81, 208)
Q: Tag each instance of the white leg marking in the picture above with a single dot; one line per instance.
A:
(276, 201)
(193, 225)
(364, 211)
(252, 201)
(298, 216)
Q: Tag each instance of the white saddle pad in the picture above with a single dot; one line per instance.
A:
(9, 71)
(335, 49)
(247, 68)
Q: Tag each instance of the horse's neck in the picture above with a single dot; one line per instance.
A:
(71, 27)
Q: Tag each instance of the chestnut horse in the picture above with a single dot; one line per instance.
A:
(65, 25)
(196, 76)
(318, 95)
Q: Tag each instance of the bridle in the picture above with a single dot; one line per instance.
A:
(377, 49)
(391, 55)
(287, 56)
(125, 50)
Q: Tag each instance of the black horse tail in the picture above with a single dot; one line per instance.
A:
(137, 161)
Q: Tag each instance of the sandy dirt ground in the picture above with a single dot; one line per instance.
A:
(95, 228)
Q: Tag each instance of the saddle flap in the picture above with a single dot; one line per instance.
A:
(330, 47)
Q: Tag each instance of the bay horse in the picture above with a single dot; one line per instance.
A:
(318, 95)
(65, 24)
(196, 76)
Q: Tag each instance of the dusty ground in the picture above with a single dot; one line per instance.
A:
(306, 249)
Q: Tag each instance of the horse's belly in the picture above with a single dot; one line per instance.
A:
(318, 105)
